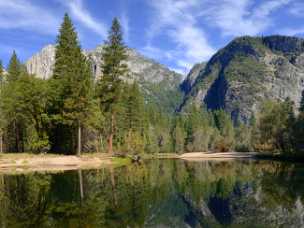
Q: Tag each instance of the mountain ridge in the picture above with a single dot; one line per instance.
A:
(152, 77)
(240, 76)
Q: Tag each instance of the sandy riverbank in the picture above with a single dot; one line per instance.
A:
(21, 163)
(198, 156)
(27, 162)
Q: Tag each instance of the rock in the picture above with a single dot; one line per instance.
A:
(249, 70)
(192, 76)
(158, 83)
(42, 63)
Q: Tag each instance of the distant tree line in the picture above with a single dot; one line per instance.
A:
(72, 113)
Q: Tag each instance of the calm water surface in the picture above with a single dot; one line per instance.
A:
(159, 193)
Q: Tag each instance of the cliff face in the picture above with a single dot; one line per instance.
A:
(159, 84)
(192, 76)
(246, 72)
(42, 63)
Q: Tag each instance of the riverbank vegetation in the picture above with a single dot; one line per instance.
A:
(72, 112)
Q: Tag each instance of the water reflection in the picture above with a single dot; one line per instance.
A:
(159, 193)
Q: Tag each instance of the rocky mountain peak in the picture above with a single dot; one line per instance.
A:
(159, 83)
(249, 70)
(42, 63)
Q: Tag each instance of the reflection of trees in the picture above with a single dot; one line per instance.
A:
(158, 192)
(25, 199)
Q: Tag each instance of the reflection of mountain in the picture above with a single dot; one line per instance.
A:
(158, 194)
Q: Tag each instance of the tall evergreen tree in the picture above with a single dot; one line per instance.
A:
(14, 68)
(72, 84)
(11, 104)
(134, 108)
(1, 71)
(1, 111)
(178, 135)
(113, 69)
(134, 118)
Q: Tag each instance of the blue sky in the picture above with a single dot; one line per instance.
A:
(177, 33)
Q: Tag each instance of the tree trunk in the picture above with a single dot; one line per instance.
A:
(1, 142)
(80, 184)
(113, 184)
(79, 140)
(110, 139)
(3, 203)
(16, 137)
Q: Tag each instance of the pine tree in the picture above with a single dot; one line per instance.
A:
(134, 118)
(224, 125)
(1, 111)
(1, 72)
(14, 68)
(72, 83)
(178, 136)
(11, 105)
(113, 70)
(134, 108)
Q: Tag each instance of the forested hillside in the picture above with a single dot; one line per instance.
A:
(115, 100)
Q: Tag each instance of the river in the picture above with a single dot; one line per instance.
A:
(158, 193)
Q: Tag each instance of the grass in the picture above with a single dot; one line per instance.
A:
(117, 162)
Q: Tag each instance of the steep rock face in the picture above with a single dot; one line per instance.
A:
(239, 77)
(159, 84)
(42, 63)
(192, 76)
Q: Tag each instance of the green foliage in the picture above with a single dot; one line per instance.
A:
(72, 98)
(275, 127)
(1, 72)
(14, 68)
(224, 124)
(24, 104)
(110, 86)
(69, 110)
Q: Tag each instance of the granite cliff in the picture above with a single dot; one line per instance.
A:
(159, 84)
(239, 77)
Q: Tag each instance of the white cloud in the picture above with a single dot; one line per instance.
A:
(177, 20)
(182, 20)
(157, 53)
(242, 17)
(80, 13)
(21, 14)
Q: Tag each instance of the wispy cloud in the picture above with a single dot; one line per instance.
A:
(81, 14)
(183, 22)
(297, 9)
(177, 20)
(242, 17)
(21, 14)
